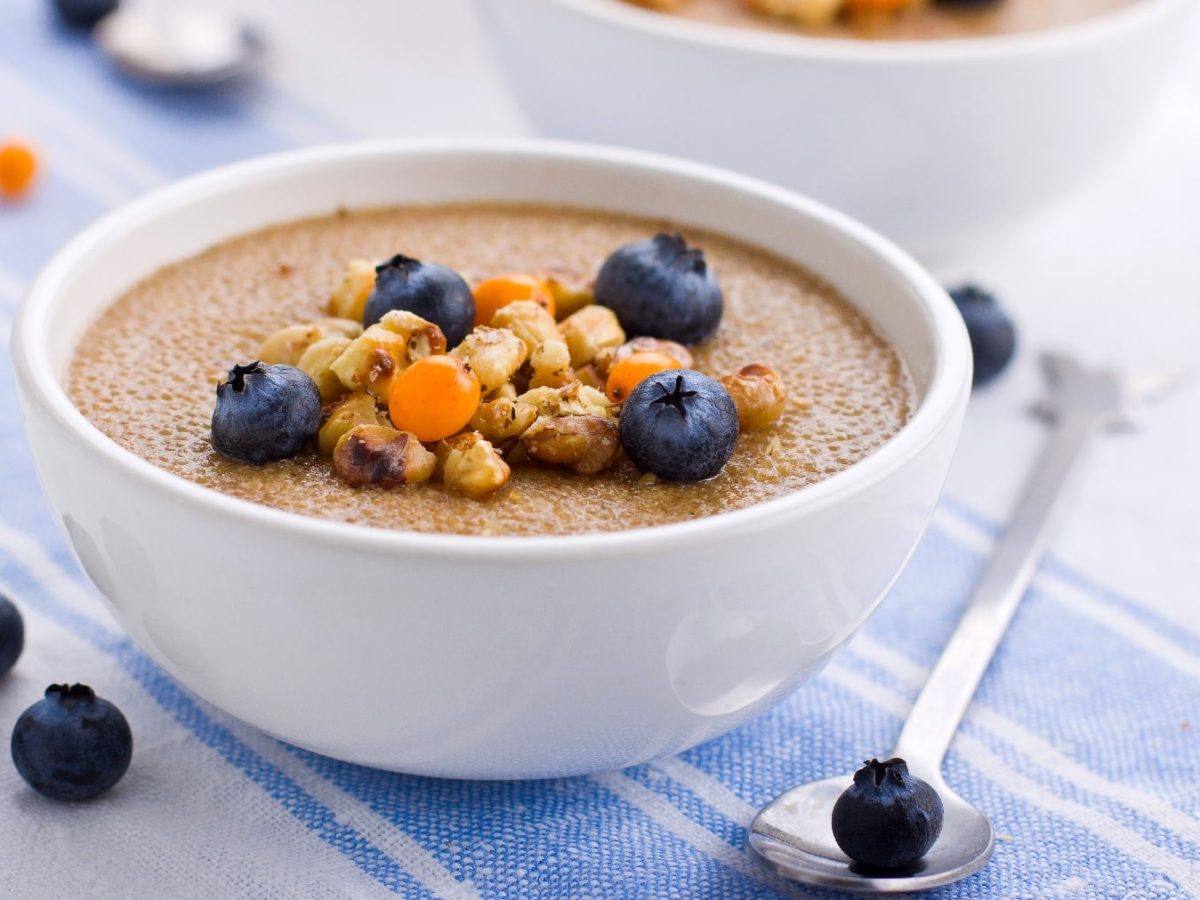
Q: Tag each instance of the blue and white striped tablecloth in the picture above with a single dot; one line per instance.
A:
(1083, 745)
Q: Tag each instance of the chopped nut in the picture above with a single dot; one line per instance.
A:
(422, 338)
(528, 321)
(589, 331)
(503, 419)
(494, 355)
(286, 346)
(470, 464)
(759, 395)
(551, 365)
(572, 400)
(677, 352)
(356, 409)
(590, 376)
(377, 455)
(373, 361)
(570, 295)
(316, 362)
(583, 444)
(506, 391)
(810, 13)
(350, 296)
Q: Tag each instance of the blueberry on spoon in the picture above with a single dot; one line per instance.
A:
(993, 336)
(265, 413)
(71, 744)
(435, 293)
(660, 287)
(888, 818)
(679, 425)
(12, 634)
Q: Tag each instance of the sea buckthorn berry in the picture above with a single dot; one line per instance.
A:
(434, 398)
(676, 351)
(18, 169)
(501, 290)
(633, 369)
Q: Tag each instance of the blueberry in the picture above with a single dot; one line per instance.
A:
(84, 13)
(433, 292)
(12, 634)
(888, 818)
(71, 744)
(993, 337)
(265, 413)
(680, 425)
(660, 287)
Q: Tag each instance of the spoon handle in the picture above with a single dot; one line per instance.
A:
(944, 699)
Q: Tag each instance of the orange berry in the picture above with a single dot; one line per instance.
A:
(18, 168)
(633, 370)
(434, 398)
(502, 290)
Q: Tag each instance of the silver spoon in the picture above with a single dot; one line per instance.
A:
(177, 44)
(793, 833)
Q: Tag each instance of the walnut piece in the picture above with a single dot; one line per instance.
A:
(373, 361)
(759, 395)
(589, 331)
(551, 365)
(528, 321)
(810, 13)
(422, 338)
(286, 346)
(354, 409)
(503, 419)
(380, 456)
(572, 400)
(349, 298)
(494, 355)
(471, 465)
(316, 363)
(583, 444)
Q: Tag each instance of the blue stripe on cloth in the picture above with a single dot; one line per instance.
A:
(1071, 575)
(188, 712)
(562, 837)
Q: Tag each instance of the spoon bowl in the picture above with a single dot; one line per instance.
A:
(794, 835)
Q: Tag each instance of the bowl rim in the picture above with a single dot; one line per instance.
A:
(949, 376)
(1095, 29)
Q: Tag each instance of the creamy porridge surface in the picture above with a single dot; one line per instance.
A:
(146, 371)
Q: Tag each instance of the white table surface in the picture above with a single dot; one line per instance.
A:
(1112, 275)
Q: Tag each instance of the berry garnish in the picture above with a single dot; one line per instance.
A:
(433, 292)
(18, 169)
(84, 13)
(265, 413)
(71, 744)
(635, 368)
(888, 818)
(12, 634)
(993, 336)
(679, 425)
(434, 397)
(660, 287)
(501, 290)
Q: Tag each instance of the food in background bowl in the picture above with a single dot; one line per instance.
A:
(888, 19)
(542, 443)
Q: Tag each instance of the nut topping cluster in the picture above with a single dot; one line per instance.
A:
(547, 375)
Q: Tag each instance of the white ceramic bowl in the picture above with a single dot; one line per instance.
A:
(939, 144)
(486, 657)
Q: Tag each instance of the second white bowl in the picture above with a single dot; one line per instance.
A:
(939, 144)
